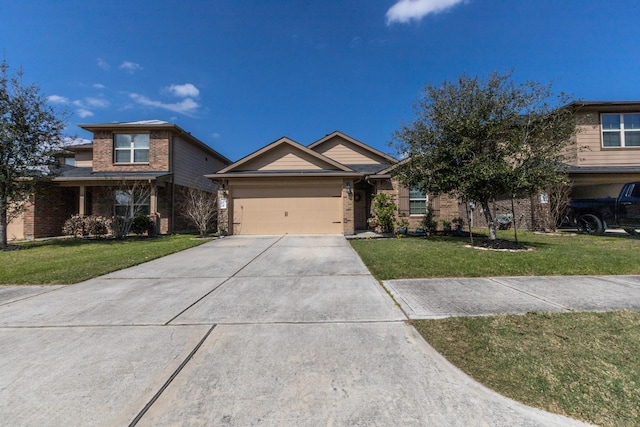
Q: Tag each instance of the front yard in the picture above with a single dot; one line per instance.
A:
(552, 255)
(583, 365)
(66, 261)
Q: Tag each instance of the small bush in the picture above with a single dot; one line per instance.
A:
(384, 208)
(428, 223)
(96, 226)
(86, 226)
(120, 226)
(74, 226)
(142, 224)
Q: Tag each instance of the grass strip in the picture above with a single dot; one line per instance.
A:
(583, 365)
(66, 261)
(563, 254)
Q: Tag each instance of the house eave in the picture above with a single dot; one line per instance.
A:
(306, 174)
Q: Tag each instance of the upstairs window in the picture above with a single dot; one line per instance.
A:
(417, 202)
(621, 130)
(131, 148)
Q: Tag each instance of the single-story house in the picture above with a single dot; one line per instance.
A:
(325, 187)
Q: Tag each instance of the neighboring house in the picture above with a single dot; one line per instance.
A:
(326, 187)
(606, 149)
(96, 178)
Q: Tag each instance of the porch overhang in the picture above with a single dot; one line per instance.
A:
(86, 177)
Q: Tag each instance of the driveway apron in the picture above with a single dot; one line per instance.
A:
(266, 330)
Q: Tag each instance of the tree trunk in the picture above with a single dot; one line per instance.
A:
(490, 222)
(3, 229)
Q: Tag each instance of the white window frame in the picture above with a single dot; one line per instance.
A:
(622, 131)
(131, 207)
(424, 198)
(131, 148)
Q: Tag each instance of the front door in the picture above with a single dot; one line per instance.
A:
(360, 209)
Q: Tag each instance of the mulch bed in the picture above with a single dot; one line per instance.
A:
(499, 244)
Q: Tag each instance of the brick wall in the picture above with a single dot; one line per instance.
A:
(51, 208)
(445, 207)
(158, 153)
(347, 206)
(530, 213)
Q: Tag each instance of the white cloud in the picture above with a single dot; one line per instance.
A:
(187, 106)
(130, 67)
(103, 64)
(186, 90)
(98, 86)
(406, 10)
(83, 113)
(355, 42)
(215, 135)
(87, 104)
(97, 102)
(57, 99)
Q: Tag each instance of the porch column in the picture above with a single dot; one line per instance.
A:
(81, 200)
(153, 199)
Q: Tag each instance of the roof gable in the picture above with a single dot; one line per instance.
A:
(349, 151)
(284, 155)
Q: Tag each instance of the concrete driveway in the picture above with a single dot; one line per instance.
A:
(273, 330)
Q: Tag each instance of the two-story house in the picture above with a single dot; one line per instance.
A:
(606, 149)
(156, 155)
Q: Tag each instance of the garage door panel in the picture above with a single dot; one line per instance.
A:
(287, 192)
(293, 211)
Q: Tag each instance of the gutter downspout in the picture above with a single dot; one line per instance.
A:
(173, 185)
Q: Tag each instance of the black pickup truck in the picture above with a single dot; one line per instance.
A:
(594, 216)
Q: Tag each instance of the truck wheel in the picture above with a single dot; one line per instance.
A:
(631, 231)
(590, 224)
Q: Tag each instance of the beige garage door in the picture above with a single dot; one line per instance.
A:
(288, 210)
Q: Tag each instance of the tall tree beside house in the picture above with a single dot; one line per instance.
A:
(30, 133)
(485, 139)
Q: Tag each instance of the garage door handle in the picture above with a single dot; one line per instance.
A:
(337, 222)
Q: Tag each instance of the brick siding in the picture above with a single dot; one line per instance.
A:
(159, 145)
(51, 207)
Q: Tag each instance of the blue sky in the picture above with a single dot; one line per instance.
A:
(240, 74)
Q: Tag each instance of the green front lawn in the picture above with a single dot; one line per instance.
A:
(583, 365)
(66, 261)
(563, 254)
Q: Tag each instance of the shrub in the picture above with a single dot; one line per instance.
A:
(120, 226)
(383, 208)
(142, 224)
(74, 226)
(428, 223)
(86, 226)
(96, 226)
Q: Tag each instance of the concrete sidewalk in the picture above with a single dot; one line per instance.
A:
(269, 330)
(437, 298)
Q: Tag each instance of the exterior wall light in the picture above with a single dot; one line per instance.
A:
(347, 186)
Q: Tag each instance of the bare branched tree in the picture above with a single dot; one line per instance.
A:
(200, 207)
(127, 199)
(558, 198)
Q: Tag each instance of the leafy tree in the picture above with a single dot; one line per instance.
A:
(485, 139)
(30, 132)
